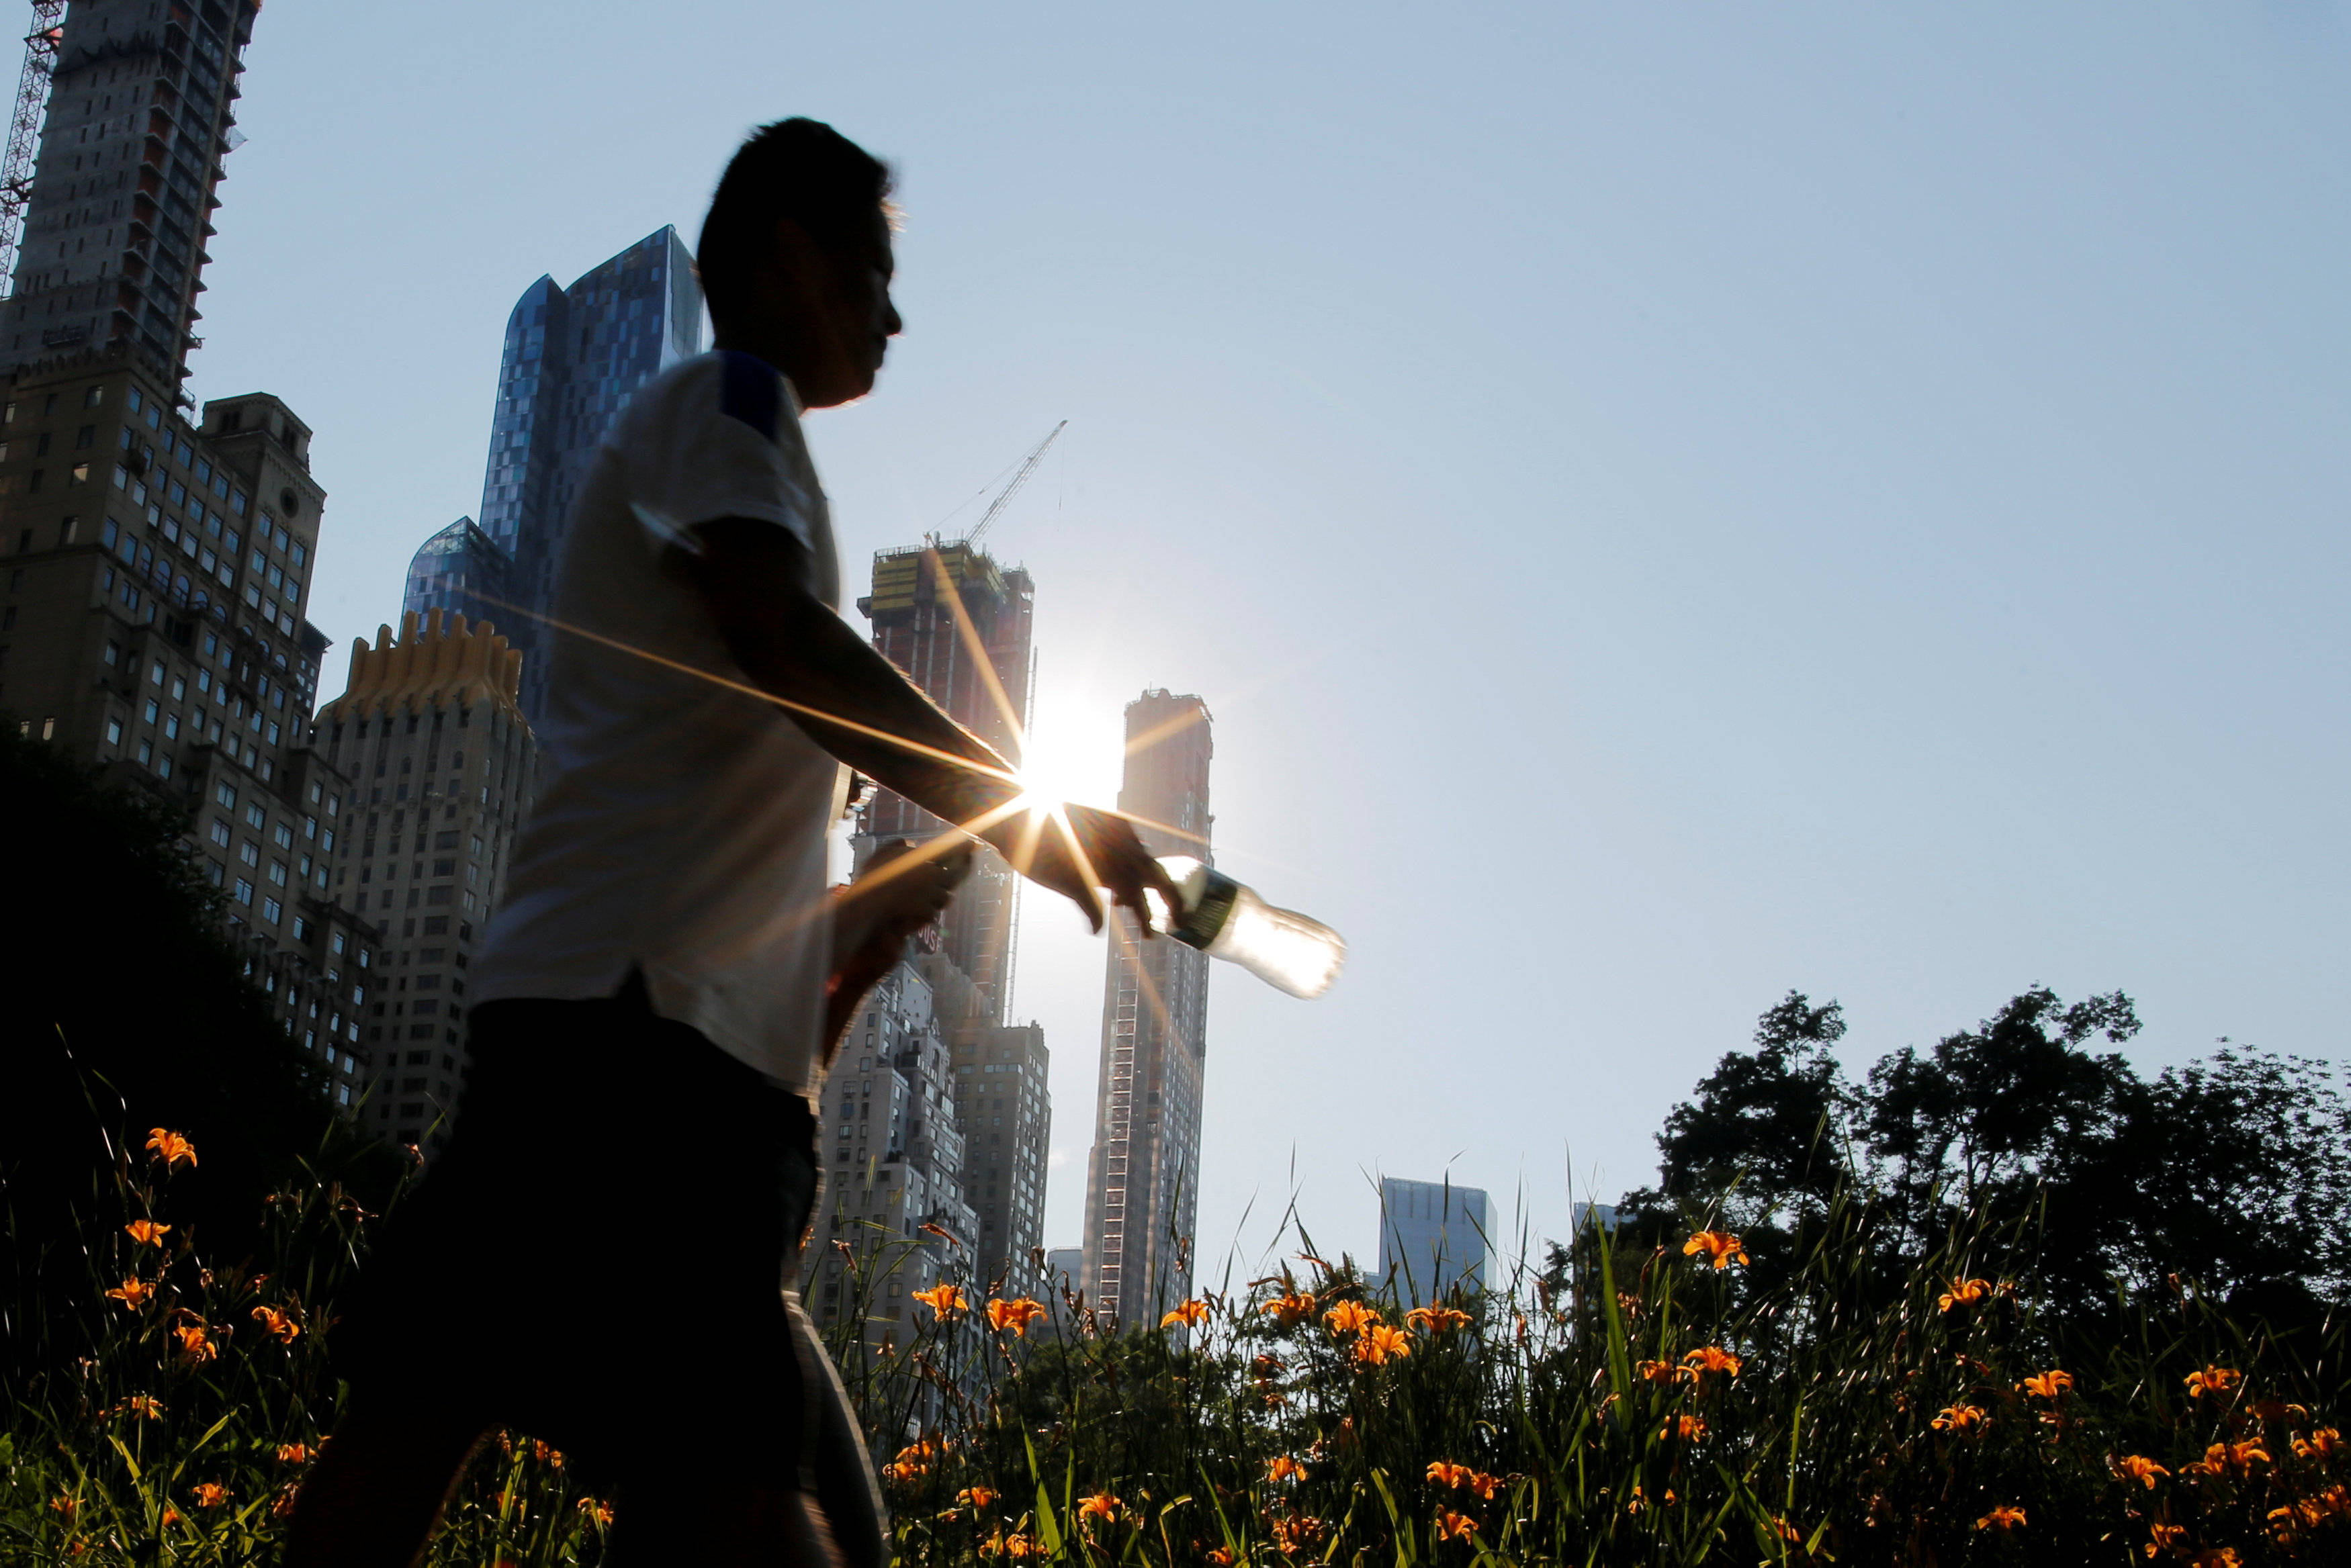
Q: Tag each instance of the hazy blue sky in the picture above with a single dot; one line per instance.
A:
(1666, 504)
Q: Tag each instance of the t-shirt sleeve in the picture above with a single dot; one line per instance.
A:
(723, 447)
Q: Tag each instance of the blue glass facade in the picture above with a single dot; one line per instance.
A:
(573, 356)
(463, 571)
(1434, 1238)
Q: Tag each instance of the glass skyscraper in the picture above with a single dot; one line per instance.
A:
(573, 356)
(460, 571)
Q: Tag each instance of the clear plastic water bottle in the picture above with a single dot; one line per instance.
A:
(1227, 921)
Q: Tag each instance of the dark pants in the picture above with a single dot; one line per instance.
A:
(598, 1256)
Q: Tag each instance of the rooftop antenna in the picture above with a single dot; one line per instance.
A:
(995, 508)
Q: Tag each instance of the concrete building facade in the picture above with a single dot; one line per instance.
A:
(574, 357)
(155, 576)
(140, 122)
(430, 733)
(1435, 1238)
(893, 1153)
(1005, 1110)
(1142, 1176)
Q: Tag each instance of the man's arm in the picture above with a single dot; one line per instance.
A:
(858, 706)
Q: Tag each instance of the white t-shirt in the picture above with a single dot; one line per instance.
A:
(681, 826)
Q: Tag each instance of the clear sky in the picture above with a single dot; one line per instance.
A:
(1666, 504)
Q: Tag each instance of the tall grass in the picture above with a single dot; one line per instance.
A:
(1629, 1405)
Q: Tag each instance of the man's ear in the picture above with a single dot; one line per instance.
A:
(792, 252)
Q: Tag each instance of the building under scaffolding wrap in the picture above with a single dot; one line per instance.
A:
(1143, 1179)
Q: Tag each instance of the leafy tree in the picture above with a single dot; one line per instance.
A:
(2232, 1174)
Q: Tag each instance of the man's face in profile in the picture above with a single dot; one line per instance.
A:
(851, 319)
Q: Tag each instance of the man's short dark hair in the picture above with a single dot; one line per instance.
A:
(798, 168)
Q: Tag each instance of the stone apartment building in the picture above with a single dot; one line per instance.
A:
(430, 731)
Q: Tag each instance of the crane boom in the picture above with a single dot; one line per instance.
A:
(996, 507)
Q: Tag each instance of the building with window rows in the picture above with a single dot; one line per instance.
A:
(430, 733)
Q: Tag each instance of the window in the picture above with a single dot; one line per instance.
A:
(220, 832)
(250, 851)
(154, 710)
(256, 815)
(270, 909)
(113, 732)
(243, 892)
(277, 873)
(223, 793)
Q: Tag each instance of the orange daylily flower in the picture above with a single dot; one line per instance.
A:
(943, 1299)
(1452, 1526)
(140, 1405)
(1222, 1557)
(1960, 1419)
(1711, 1358)
(195, 1342)
(1189, 1314)
(2216, 1557)
(1282, 1466)
(1350, 1317)
(1435, 1319)
(1690, 1429)
(170, 1147)
(2211, 1380)
(1445, 1473)
(2322, 1444)
(1291, 1308)
(1660, 1372)
(2164, 1535)
(62, 1504)
(2048, 1384)
(975, 1496)
(211, 1494)
(1015, 1314)
(1963, 1293)
(1101, 1505)
(1377, 1344)
(133, 1293)
(294, 1453)
(1721, 1246)
(551, 1458)
(2134, 1467)
(2004, 1517)
(277, 1323)
(1484, 1485)
(147, 1232)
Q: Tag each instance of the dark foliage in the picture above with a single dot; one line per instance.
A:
(125, 1006)
(2233, 1173)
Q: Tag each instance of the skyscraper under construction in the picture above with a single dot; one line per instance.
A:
(958, 624)
(139, 119)
(1142, 1178)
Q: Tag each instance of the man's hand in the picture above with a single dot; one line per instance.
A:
(859, 706)
(1094, 851)
(902, 888)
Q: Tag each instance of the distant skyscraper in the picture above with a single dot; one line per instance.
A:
(977, 668)
(441, 762)
(1007, 1115)
(459, 571)
(1433, 1237)
(573, 356)
(138, 120)
(1142, 1178)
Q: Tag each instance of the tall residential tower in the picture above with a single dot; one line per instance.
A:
(1142, 1178)
(574, 357)
(112, 252)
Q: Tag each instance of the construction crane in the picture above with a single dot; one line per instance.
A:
(24, 131)
(996, 507)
